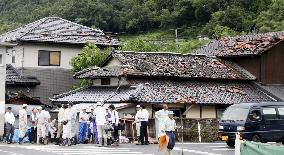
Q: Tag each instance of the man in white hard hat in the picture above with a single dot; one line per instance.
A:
(101, 114)
(66, 136)
(161, 116)
(23, 121)
(60, 125)
(169, 128)
(43, 120)
(137, 122)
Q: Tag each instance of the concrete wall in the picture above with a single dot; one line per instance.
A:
(29, 52)
(2, 89)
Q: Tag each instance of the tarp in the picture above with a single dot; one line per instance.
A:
(253, 148)
(16, 136)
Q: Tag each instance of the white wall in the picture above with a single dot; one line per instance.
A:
(30, 53)
(113, 82)
(2, 89)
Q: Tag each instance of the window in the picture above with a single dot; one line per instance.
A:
(1, 60)
(105, 81)
(13, 59)
(48, 58)
(281, 112)
(269, 113)
(255, 115)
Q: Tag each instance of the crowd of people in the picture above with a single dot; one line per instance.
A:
(100, 126)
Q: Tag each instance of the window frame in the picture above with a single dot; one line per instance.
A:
(49, 58)
(105, 79)
(276, 113)
(1, 59)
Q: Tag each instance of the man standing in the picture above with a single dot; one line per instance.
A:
(23, 121)
(66, 136)
(83, 119)
(33, 133)
(43, 120)
(114, 121)
(9, 125)
(137, 122)
(100, 114)
(144, 124)
(169, 128)
(60, 126)
(73, 116)
(161, 116)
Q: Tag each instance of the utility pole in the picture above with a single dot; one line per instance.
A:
(2, 87)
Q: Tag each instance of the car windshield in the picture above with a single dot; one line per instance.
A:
(235, 114)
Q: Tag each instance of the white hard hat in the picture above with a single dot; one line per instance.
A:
(138, 106)
(25, 105)
(99, 103)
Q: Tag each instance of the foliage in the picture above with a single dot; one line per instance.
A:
(90, 56)
(196, 17)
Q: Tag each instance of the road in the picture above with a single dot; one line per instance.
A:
(123, 149)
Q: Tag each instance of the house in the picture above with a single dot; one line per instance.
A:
(192, 85)
(260, 54)
(43, 50)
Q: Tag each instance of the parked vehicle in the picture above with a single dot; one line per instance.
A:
(259, 122)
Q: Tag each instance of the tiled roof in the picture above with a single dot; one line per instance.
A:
(241, 45)
(58, 30)
(169, 65)
(168, 91)
(164, 91)
(14, 77)
(277, 90)
(95, 94)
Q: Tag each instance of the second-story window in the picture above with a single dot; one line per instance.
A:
(48, 58)
(105, 81)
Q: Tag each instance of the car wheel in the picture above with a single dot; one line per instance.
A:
(231, 143)
(256, 138)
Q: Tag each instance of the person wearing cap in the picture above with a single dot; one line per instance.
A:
(83, 119)
(137, 122)
(9, 125)
(169, 128)
(60, 125)
(161, 116)
(101, 114)
(43, 120)
(66, 136)
(23, 121)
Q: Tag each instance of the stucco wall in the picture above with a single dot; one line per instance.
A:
(205, 111)
(193, 112)
(208, 112)
(2, 89)
(30, 53)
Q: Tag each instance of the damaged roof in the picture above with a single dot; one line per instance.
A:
(168, 65)
(241, 45)
(14, 77)
(58, 30)
(169, 91)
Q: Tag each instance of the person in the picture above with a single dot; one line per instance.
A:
(109, 128)
(144, 124)
(169, 128)
(9, 125)
(255, 116)
(161, 116)
(23, 121)
(66, 136)
(43, 120)
(33, 133)
(100, 114)
(114, 121)
(73, 116)
(51, 129)
(94, 127)
(83, 119)
(137, 122)
(60, 126)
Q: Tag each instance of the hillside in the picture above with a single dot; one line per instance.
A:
(130, 18)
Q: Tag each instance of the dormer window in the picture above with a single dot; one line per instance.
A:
(105, 81)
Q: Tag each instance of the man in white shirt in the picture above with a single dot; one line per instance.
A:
(33, 133)
(66, 136)
(101, 114)
(74, 126)
(83, 119)
(9, 125)
(43, 120)
(60, 126)
(114, 121)
(161, 116)
(144, 125)
(23, 121)
(169, 128)
(137, 122)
